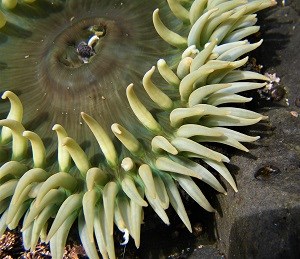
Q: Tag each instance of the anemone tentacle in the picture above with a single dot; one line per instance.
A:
(184, 103)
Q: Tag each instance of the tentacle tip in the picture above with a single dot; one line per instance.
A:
(161, 62)
(116, 129)
(9, 5)
(273, 2)
(226, 160)
(26, 133)
(83, 115)
(137, 245)
(5, 95)
(129, 87)
(127, 164)
(56, 127)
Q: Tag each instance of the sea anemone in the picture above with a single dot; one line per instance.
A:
(117, 149)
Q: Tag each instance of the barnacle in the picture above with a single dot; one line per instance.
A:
(130, 147)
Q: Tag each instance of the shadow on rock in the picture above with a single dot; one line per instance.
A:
(270, 234)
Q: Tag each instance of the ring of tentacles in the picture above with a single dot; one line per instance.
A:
(130, 105)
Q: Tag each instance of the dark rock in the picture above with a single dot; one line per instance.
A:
(206, 252)
(268, 234)
(297, 102)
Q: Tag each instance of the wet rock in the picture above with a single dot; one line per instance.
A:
(269, 234)
(206, 252)
(297, 102)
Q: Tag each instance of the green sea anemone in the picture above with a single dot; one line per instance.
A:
(78, 67)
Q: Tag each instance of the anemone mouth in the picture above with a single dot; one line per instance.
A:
(79, 56)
